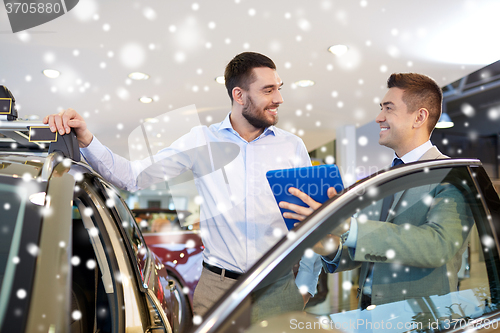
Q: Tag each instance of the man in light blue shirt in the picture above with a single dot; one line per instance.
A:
(239, 220)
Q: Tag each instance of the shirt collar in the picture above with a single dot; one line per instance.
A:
(416, 153)
(226, 124)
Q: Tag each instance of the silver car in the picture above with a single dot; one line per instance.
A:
(72, 258)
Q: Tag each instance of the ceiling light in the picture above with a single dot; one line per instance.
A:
(138, 76)
(338, 50)
(145, 99)
(444, 121)
(220, 80)
(51, 73)
(150, 120)
(304, 83)
(38, 198)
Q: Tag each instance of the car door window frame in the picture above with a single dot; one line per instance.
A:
(141, 276)
(89, 199)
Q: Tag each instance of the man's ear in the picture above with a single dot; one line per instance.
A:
(238, 95)
(421, 117)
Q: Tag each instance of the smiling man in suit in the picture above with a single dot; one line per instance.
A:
(415, 247)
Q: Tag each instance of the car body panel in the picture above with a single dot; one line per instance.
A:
(55, 240)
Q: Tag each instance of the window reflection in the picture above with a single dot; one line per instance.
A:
(431, 265)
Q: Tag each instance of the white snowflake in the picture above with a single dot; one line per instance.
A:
(362, 140)
(303, 289)
(493, 114)
(347, 285)
(277, 232)
(149, 13)
(90, 264)
(76, 315)
(21, 294)
(32, 249)
(468, 110)
(75, 261)
(362, 218)
(197, 320)
(309, 253)
(488, 241)
(390, 254)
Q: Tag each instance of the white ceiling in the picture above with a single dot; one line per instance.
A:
(184, 45)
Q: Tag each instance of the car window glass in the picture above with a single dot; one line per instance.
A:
(11, 215)
(21, 211)
(431, 265)
(131, 228)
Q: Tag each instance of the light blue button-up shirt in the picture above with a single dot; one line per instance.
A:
(239, 217)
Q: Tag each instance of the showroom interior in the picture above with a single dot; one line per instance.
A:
(331, 93)
(143, 73)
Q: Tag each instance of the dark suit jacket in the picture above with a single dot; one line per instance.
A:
(418, 251)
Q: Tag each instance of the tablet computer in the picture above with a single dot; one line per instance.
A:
(314, 181)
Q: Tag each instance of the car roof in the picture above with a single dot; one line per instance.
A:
(37, 166)
(16, 164)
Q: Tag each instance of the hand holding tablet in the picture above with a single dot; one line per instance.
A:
(313, 181)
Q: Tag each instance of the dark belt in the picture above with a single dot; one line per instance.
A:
(218, 270)
(366, 300)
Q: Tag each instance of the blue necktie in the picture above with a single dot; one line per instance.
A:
(397, 161)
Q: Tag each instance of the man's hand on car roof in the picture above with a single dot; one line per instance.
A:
(64, 121)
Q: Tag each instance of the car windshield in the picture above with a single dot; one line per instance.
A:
(426, 262)
(17, 208)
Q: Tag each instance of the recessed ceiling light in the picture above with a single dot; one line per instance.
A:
(304, 83)
(38, 198)
(51, 73)
(145, 99)
(220, 80)
(338, 49)
(138, 76)
(150, 120)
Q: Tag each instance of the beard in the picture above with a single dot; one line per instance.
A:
(256, 117)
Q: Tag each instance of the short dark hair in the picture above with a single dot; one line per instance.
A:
(239, 71)
(419, 91)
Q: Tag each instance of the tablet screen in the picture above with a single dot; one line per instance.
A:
(314, 181)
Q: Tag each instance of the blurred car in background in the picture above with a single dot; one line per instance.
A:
(180, 248)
